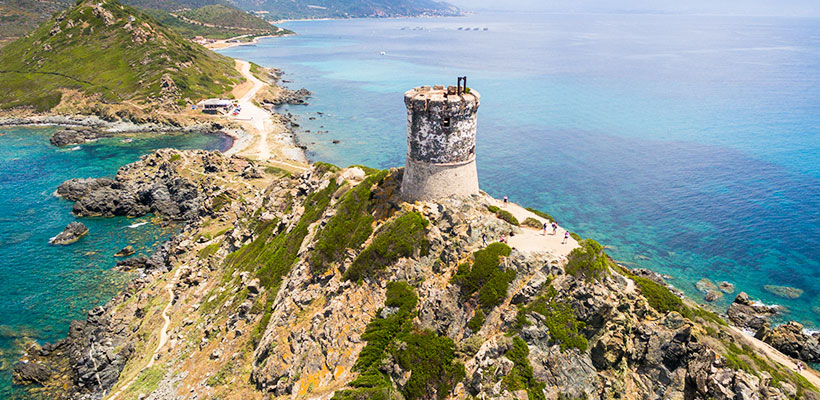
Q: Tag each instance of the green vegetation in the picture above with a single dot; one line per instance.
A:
(503, 215)
(226, 17)
(541, 214)
(429, 357)
(588, 261)
(744, 358)
(477, 321)
(104, 53)
(271, 170)
(287, 9)
(396, 239)
(176, 157)
(220, 201)
(575, 236)
(485, 277)
(521, 375)
(147, 382)
(221, 376)
(208, 251)
(349, 228)
(532, 223)
(563, 326)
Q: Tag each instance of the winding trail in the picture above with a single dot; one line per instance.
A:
(257, 118)
(810, 374)
(163, 337)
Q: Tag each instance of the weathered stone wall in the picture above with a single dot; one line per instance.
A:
(441, 137)
(426, 181)
(441, 128)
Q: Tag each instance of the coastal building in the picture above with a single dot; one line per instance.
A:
(212, 106)
(441, 137)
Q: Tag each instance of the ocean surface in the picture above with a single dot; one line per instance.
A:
(44, 287)
(689, 145)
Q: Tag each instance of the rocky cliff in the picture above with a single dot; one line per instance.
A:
(327, 285)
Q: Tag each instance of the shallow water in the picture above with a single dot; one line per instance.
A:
(689, 145)
(44, 287)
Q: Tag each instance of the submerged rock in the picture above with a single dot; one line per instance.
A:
(72, 233)
(726, 287)
(76, 135)
(786, 292)
(28, 372)
(125, 252)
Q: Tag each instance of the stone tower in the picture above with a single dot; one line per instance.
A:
(441, 129)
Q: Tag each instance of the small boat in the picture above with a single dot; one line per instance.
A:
(129, 140)
(383, 53)
(75, 148)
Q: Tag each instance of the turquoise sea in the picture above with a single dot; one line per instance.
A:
(689, 145)
(44, 287)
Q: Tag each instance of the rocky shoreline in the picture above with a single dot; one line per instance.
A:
(303, 340)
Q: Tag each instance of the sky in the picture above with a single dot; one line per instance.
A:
(808, 8)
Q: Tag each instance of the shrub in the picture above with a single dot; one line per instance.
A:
(532, 223)
(588, 261)
(575, 236)
(349, 228)
(541, 214)
(395, 240)
(477, 321)
(176, 157)
(659, 297)
(485, 277)
(493, 209)
(507, 216)
(521, 375)
(208, 251)
(430, 358)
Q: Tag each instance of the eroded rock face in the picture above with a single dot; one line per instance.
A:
(72, 233)
(791, 340)
(76, 135)
(747, 314)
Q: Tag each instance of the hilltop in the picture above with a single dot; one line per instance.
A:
(325, 284)
(103, 53)
(302, 9)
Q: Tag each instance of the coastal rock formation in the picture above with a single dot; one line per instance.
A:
(747, 314)
(76, 135)
(786, 292)
(791, 340)
(125, 251)
(72, 233)
(327, 285)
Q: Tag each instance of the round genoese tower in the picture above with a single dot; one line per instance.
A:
(441, 128)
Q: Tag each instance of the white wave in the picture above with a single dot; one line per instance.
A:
(138, 224)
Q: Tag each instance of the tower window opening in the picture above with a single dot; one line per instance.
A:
(445, 122)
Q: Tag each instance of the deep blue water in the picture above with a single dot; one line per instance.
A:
(43, 287)
(688, 144)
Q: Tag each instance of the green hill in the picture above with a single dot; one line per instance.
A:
(225, 16)
(104, 49)
(292, 9)
(226, 23)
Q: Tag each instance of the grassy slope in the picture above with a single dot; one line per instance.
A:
(117, 59)
(225, 16)
(18, 17)
(190, 30)
(285, 9)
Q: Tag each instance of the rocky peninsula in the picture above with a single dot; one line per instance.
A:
(325, 284)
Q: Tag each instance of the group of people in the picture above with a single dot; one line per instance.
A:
(547, 225)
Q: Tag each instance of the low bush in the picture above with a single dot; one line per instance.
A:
(397, 239)
(208, 251)
(485, 277)
(541, 214)
(532, 223)
(430, 359)
(521, 376)
(588, 261)
(477, 321)
(505, 215)
(559, 317)
(349, 228)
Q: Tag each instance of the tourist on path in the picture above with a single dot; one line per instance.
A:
(484, 239)
(502, 240)
(506, 200)
(545, 230)
(566, 236)
(554, 228)
(799, 366)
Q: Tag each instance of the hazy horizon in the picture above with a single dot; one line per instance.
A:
(794, 8)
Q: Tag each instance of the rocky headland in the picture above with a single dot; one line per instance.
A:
(72, 233)
(326, 285)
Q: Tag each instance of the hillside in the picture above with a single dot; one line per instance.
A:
(290, 9)
(225, 16)
(18, 17)
(326, 285)
(113, 53)
(207, 22)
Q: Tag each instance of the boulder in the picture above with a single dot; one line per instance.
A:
(72, 233)
(27, 372)
(713, 295)
(791, 340)
(76, 135)
(726, 287)
(786, 292)
(125, 252)
(746, 314)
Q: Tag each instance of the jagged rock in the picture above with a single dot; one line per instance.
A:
(532, 287)
(26, 373)
(790, 339)
(125, 251)
(746, 314)
(713, 295)
(726, 287)
(705, 285)
(79, 135)
(72, 233)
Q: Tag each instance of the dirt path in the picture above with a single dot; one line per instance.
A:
(808, 373)
(531, 239)
(163, 337)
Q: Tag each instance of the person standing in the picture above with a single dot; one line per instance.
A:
(566, 237)
(545, 229)
(506, 200)
(484, 239)
(554, 228)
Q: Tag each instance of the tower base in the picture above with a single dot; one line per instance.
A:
(426, 181)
